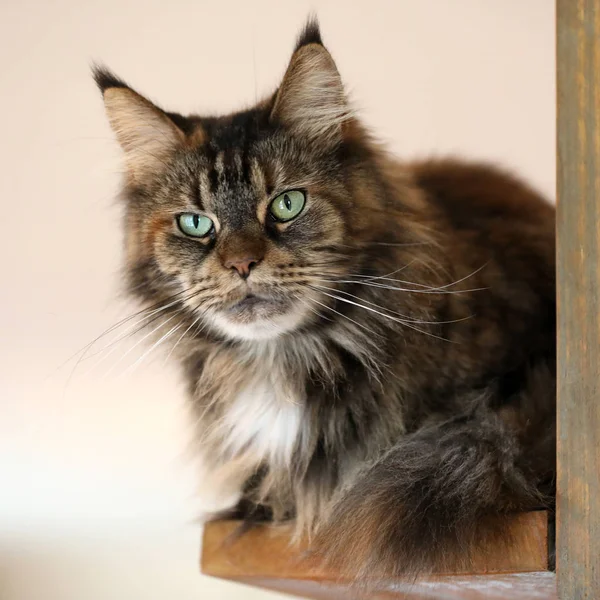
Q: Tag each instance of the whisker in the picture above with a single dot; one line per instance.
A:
(83, 351)
(465, 277)
(398, 244)
(345, 316)
(118, 324)
(385, 276)
(162, 324)
(401, 289)
(138, 325)
(165, 337)
(125, 334)
(443, 287)
(314, 310)
(428, 289)
(400, 321)
(181, 338)
(368, 356)
(405, 317)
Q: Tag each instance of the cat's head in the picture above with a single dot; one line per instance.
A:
(245, 221)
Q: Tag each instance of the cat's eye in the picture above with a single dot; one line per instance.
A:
(287, 206)
(194, 225)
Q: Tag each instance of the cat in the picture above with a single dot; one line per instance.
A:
(369, 344)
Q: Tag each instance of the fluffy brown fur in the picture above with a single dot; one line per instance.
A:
(379, 368)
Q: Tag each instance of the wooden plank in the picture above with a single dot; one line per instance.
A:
(517, 586)
(578, 228)
(265, 557)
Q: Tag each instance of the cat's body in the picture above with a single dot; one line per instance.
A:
(379, 366)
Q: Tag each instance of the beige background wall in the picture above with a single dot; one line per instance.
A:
(96, 494)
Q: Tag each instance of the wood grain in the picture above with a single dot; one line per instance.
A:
(578, 228)
(518, 586)
(266, 558)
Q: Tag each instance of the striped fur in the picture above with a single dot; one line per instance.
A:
(392, 389)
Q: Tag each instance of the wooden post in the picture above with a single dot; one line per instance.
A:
(578, 228)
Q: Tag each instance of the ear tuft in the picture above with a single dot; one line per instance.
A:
(311, 34)
(105, 78)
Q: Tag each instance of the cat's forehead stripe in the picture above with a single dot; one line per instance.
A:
(230, 166)
(203, 188)
(231, 184)
(256, 176)
(219, 163)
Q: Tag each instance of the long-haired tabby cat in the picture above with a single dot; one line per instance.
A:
(369, 344)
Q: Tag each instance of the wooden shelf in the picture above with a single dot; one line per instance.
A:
(263, 557)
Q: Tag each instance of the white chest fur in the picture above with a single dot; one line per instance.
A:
(262, 425)
(261, 419)
(264, 422)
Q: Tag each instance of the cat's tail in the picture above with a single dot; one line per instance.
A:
(434, 499)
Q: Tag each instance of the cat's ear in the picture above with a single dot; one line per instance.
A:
(146, 134)
(311, 101)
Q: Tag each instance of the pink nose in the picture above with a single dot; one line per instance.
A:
(242, 265)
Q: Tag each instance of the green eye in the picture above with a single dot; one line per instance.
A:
(194, 225)
(287, 205)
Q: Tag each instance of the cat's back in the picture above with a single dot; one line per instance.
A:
(490, 214)
(497, 234)
(480, 195)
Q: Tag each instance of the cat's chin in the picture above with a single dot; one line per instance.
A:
(238, 326)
